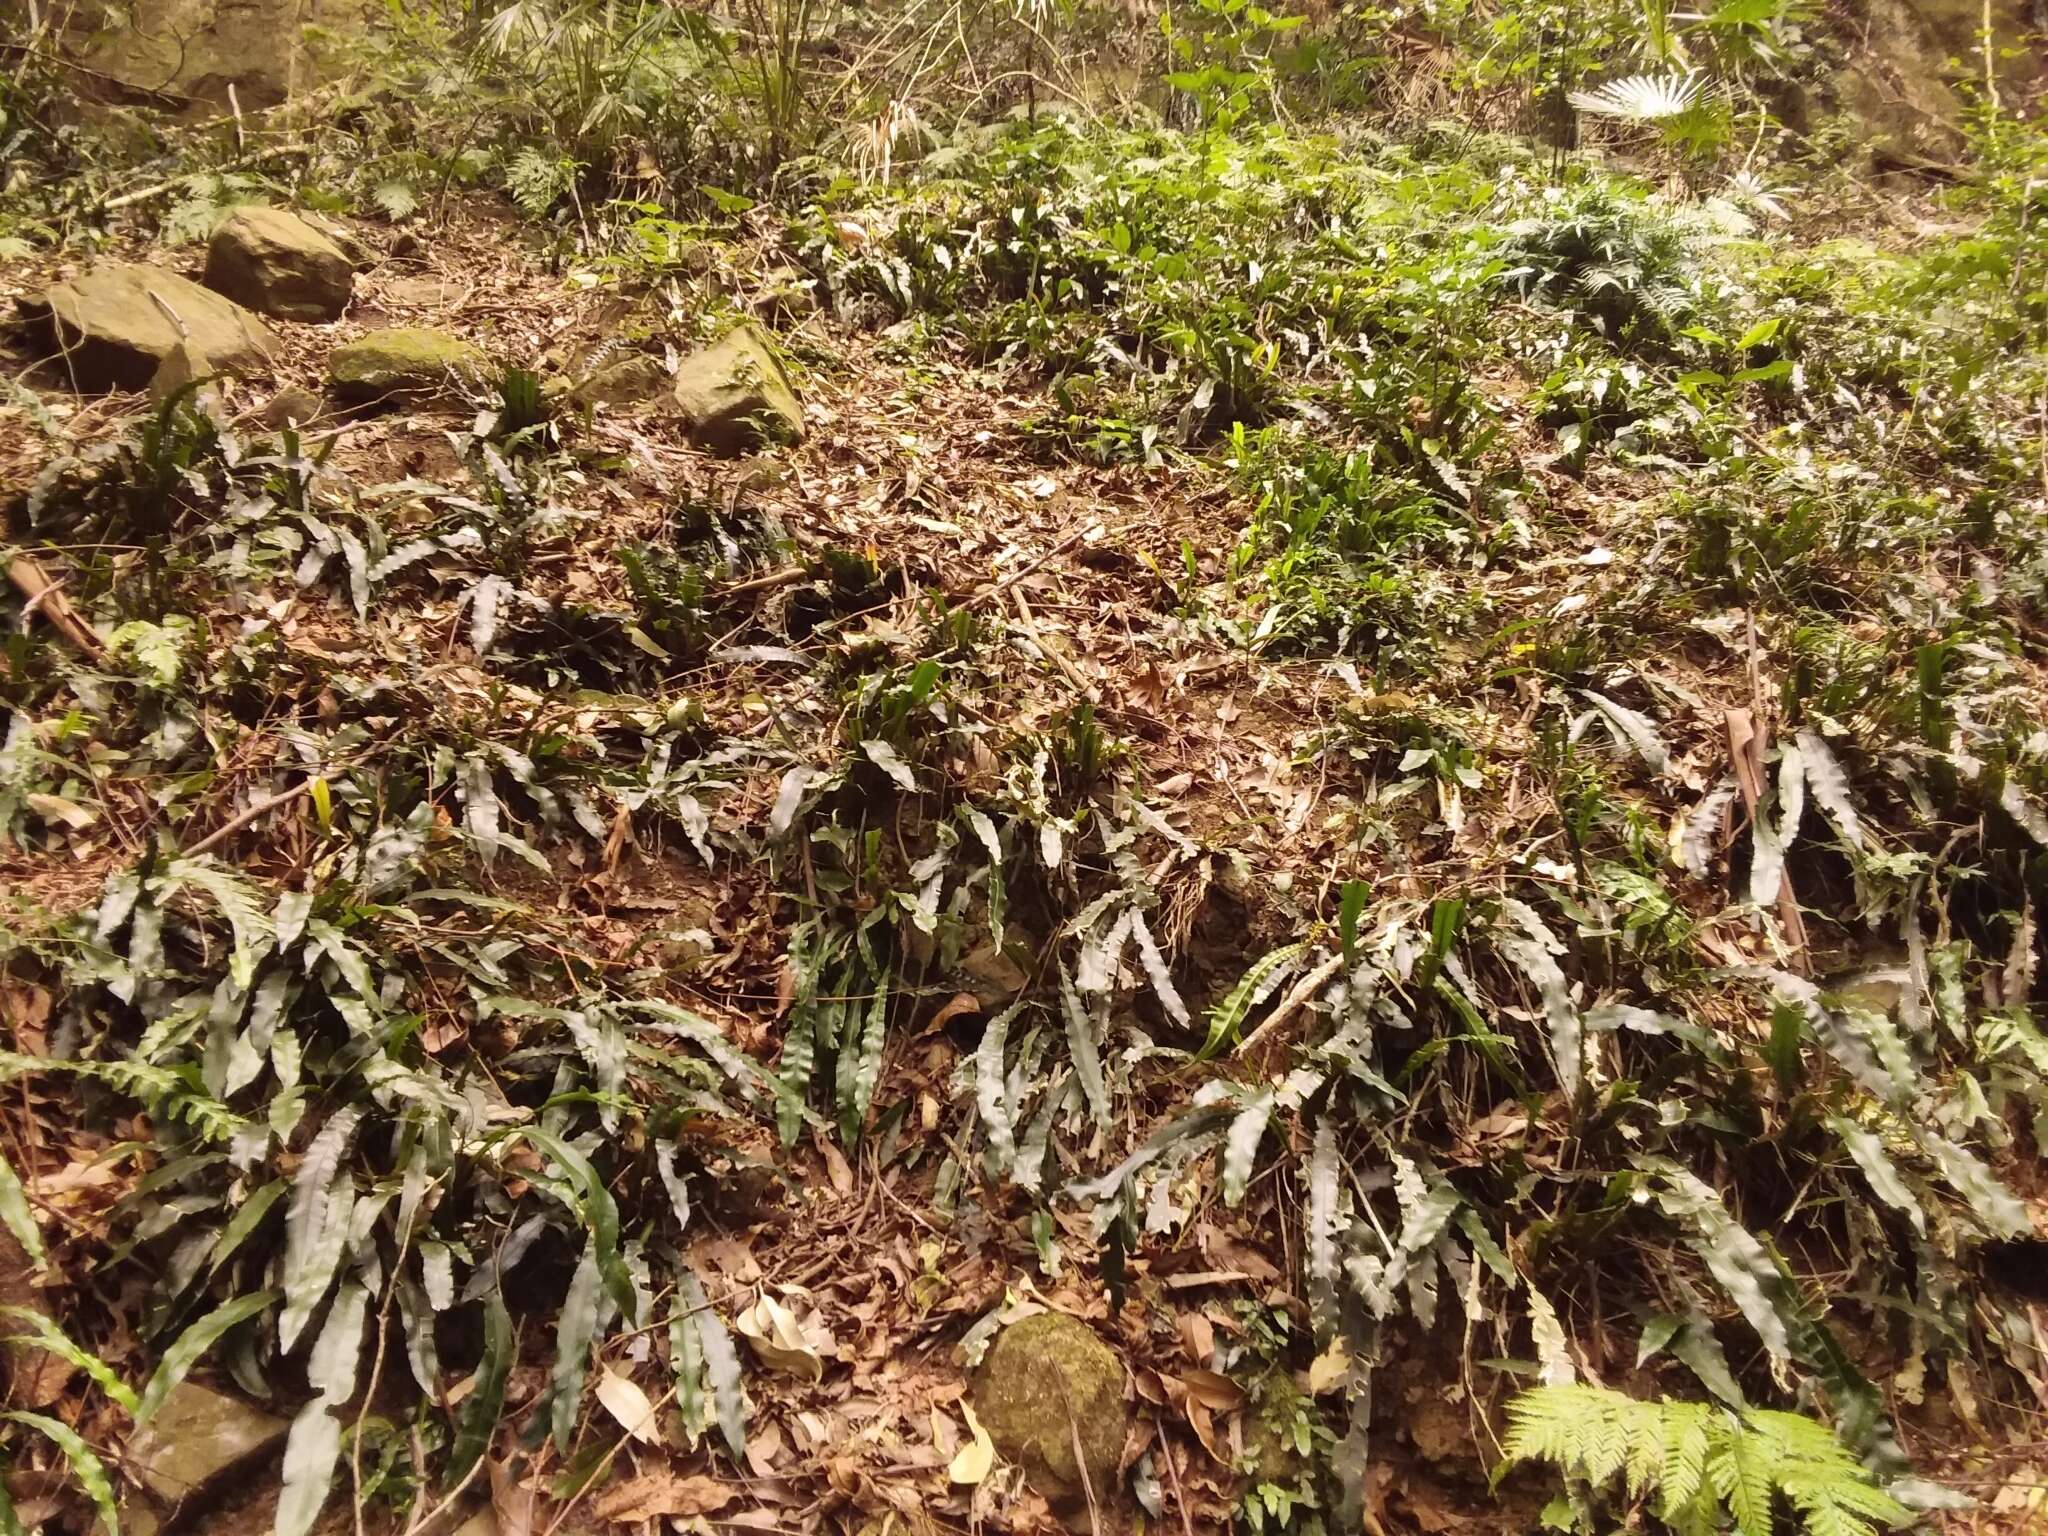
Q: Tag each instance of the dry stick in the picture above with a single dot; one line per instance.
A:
(235, 824)
(47, 595)
(1292, 1004)
(1080, 1457)
(1029, 566)
(1173, 1475)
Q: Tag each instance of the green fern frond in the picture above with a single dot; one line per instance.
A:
(1708, 1467)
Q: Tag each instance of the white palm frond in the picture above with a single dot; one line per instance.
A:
(1643, 98)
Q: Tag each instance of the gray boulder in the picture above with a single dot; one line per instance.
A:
(112, 326)
(276, 263)
(735, 396)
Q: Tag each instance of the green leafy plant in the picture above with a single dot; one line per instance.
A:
(1707, 1467)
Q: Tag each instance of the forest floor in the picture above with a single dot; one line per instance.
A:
(930, 511)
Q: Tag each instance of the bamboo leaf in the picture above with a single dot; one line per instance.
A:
(310, 1453)
(15, 1214)
(1632, 730)
(1258, 983)
(686, 1362)
(2003, 1214)
(672, 1181)
(1830, 786)
(890, 761)
(1155, 969)
(1879, 1170)
(1082, 1049)
(990, 1100)
(316, 1225)
(867, 1060)
(721, 1367)
(1241, 1146)
(1319, 1226)
(575, 1332)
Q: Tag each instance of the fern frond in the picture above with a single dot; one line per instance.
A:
(1742, 1473)
(1706, 1465)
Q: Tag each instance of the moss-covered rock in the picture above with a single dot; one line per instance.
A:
(112, 326)
(276, 263)
(403, 365)
(735, 396)
(1046, 1379)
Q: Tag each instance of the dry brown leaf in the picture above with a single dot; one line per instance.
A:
(976, 1458)
(662, 1493)
(511, 1500)
(958, 1004)
(1213, 1389)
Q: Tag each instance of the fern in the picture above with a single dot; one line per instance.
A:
(1711, 1467)
(395, 199)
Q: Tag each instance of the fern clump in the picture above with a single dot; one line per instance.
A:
(1708, 1467)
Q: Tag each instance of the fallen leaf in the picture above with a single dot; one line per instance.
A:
(1328, 1369)
(783, 1341)
(837, 1169)
(658, 1493)
(57, 808)
(977, 1457)
(624, 1401)
(961, 1002)
(1213, 1389)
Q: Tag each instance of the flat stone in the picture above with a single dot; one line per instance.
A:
(1048, 1380)
(112, 326)
(197, 1436)
(292, 406)
(631, 380)
(403, 365)
(185, 364)
(735, 396)
(268, 50)
(276, 263)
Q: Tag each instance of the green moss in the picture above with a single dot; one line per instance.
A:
(401, 363)
(1047, 1378)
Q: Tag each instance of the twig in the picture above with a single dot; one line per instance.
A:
(1292, 1004)
(26, 51)
(1173, 1476)
(47, 596)
(235, 824)
(1080, 1458)
(1009, 581)
(424, 1524)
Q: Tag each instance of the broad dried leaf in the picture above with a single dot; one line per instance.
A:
(976, 1459)
(625, 1402)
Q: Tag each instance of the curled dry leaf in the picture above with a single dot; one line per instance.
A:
(977, 1457)
(785, 1342)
